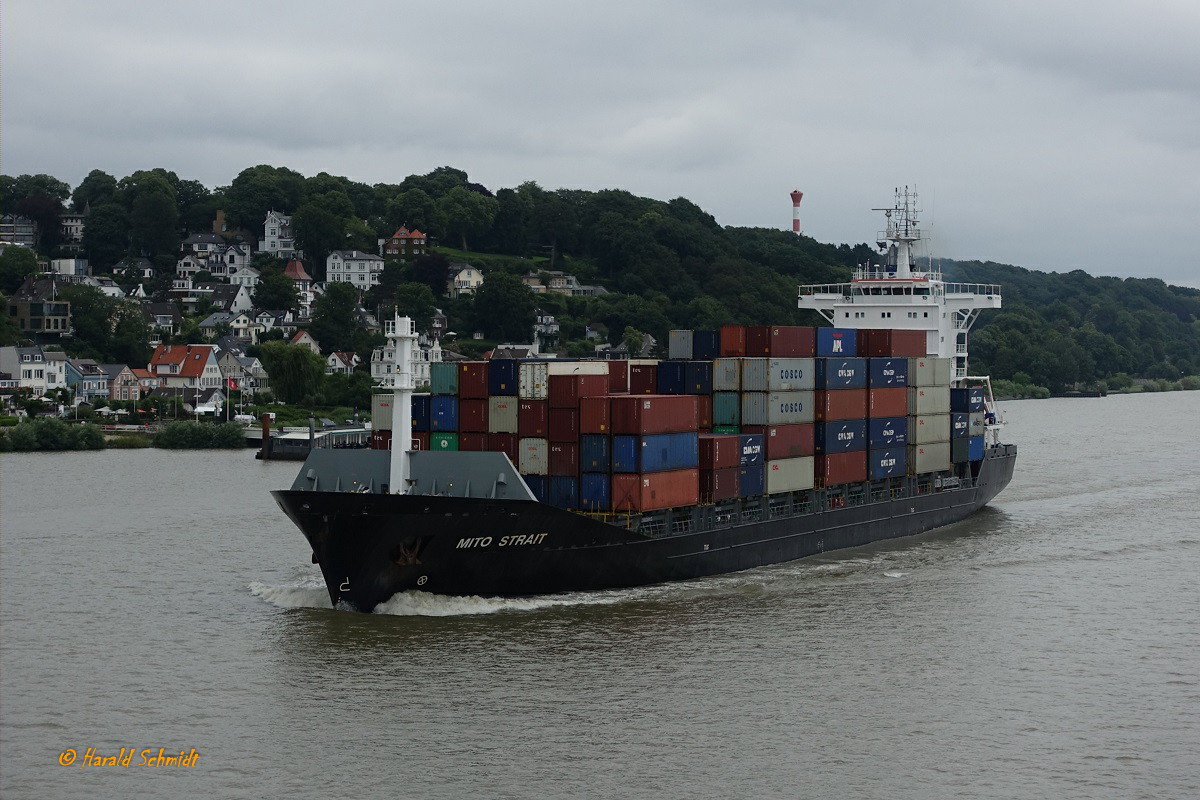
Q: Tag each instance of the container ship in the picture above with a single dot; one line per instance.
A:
(747, 446)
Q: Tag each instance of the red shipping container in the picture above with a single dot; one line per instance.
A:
(565, 390)
(758, 341)
(657, 490)
(887, 403)
(564, 458)
(793, 341)
(704, 412)
(381, 440)
(789, 441)
(473, 442)
(835, 469)
(618, 377)
(891, 343)
(656, 413)
(718, 451)
(533, 418)
(841, 404)
(473, 379)
(504, 443)
(733, 341)
(643, 378)
(473, 415)
(718, 484)
(564, 425)
(594, 415)
(420, 441)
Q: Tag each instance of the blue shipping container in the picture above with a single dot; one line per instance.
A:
(887, 432)
(752, 481)
(697, 377)
(966, 401)
(751, 451)
(539, 485)
(841, 373)
(975, 448)
(564, 491)
(420, 413)
(503, 377)
(837, 343)
(670, 377)
(662, 452)
(706, 345)
(888, 463)
(887, 373)
(595, 492)
(960, 426)
(594, 453)
(443, 414)
(841, 437)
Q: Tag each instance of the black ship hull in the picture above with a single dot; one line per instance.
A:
(371, 546)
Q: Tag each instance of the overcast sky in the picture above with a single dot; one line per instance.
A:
(1052, 135)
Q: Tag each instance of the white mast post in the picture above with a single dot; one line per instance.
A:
(402, 334)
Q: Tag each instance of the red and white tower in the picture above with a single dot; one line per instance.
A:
(797, 196)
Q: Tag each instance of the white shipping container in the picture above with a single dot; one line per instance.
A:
(928, 400)
(791, 374)
(754, 408)
(534, 456)
(381, 411)
(788, 408)
(928, 429)
(790, 474)
(924, 458)
(502, 415)
(727, 375)
(679, 344)
(532, 380)
(578, 367)
(754, 374)
(975, 424)
(929, 371)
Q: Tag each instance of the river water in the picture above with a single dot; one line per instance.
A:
(1049, 647)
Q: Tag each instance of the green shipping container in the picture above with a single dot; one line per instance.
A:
(726, 429)
(443, 378)
(727, 408)
(443, 442)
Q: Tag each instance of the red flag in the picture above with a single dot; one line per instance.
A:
(230, 383)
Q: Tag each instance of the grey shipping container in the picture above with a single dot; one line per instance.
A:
(754, 374)
(789, 408)
(533, 380)
(924, 458)
(928, 400)
(381, 411)
(727, 375)
(929, 371)
(929, 428)
(791, 374)
(790, 474)
(679, 345)
(533, 456)
(502, 414)
(754, 408)
(975, 426)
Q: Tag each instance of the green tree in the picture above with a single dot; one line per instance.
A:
(417, 210)
(98, 187)
(106, 235)
(154, 223)
(504, 307)
(319, 230)
(416, 301)
(92, 319)
(294, 371)
(433, 270)
(334, 321)
(467, 213)
(257, 190)
(276, 291)
(129, 342)
(16, 263)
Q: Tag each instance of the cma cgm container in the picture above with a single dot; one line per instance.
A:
(929, 428)
(841, 437)
(473, 379)
(836, 342)
(887, 402)
(733, 341)
(503, 414)
(967, 400)
(595, 492)
(679, 344)
(718, 484)
(640, 414)
(924, 458)
(793, 341)
(594, 453)
(960, 426)
(533, 456)
(841, 373)
(889, 432)
(835, 469)
(727, 375)
(643, 378)
(751, 451)
(706, 345)
(790, 474)
(473, 414)
(533, 418)
(838, 404)
(888, 463)
(887, 373)
(929, 400)
(791, 374)
(503, 377)
(443, 414)
(655, 491)
(719, 452)
(663, 452)
(443, 377)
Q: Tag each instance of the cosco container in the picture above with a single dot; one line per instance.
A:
(643, 378)
(679, 344)
(594, 453)
(727, 375)
(752, 481)
(641, 414)
(473, 379)
(564, 491)
(503, 378)
(564, 425)
(473, 442)
(841, 437)
(503, 414)
(595, 492)
(473, 414)
(967, 400)
(719, 452)
(923, 458)
(929, 428)
(887, 373)
(506, 443)
(443, 377)
(758, 341)
(841, 373)
(887, 402)
(751, 450)
(595, 415)
(793, 341)
(889, 432)
(960, 426)
(754, 374)
(563, 458)
(791, 374)
(698, 377)
(836, 343)
(733, 341)
(790, 474)
(443, 414)
(655, 491)
(669, 379)
(565, 390)
(929, 372)
(839, 404)
(889, 463)
(533, 418)
(533, 456)
(655, 453)
(443, 442)
(836, 469)
(928, 400)
(706, 345)
(718, 484)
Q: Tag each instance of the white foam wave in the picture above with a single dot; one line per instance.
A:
(895, 574)
(304, 595)
(424, 604)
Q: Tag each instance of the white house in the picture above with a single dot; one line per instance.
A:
(277, 235)
(32, 369)
(383, 359)
(341, 363)
(355, 267)
(465, 281)
(246, 276)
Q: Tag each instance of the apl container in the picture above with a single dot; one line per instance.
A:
(836, 469)
(533, 456)
(841, 373)
(889, 463)
(655, 491)
(928, 400)
(928, 429)
(923, 458)
(839, 404)
(792, 341)
(836, 343)
(594, 453)
(503, 378)
(503, 414)
(841, 437)
(718, 484)
(790, 474)
(595, 492)
(887, 373)
(473, 379)
(754, 374)
(706, 345)
(886, 433)
(533, 418)
(791, 374)
(887, 402)
(727, 375)
(443, 414)
(443, 377)
(929, 372)
(679, 344)
(473, 415)
(634, 414)
(655, 453)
